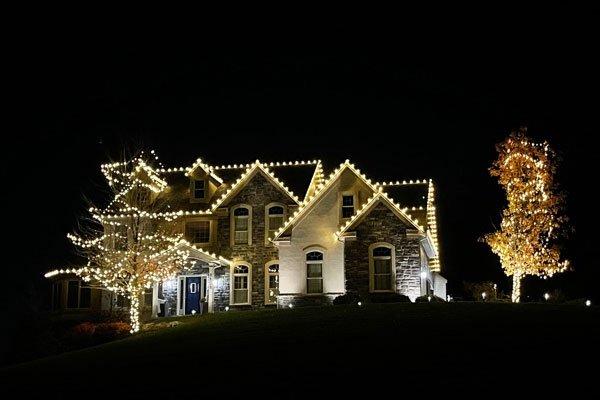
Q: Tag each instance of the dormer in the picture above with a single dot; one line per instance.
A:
(203, 182)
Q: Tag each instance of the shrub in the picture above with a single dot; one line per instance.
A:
(347, 298)
(388, 298)
(429, 299)
(112, 330)
(83, 330)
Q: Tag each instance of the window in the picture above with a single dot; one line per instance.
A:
(198, 231)
(275, 215)
(314, 272)
(56, 295)
(271, 282)
(240, 284)
(381, 262)
(347, 206)
(242, 225)
(79, 295)
(199, 189)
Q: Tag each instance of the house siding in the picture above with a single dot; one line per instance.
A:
(382, 225)
(258, 193)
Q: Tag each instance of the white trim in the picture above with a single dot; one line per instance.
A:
(341, 196)
(268, 219)
(231, 282)
(232, 225)
(311, 249)
(372, 267)
(267, 275)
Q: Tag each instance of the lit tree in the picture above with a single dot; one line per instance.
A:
(131, 243)
(532, 221)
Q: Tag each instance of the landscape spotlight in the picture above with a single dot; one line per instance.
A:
(588, 303)
(227, 308)
(546, 296)
(359, 303)
(483, 295)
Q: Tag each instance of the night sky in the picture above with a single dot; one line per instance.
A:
(398, 109)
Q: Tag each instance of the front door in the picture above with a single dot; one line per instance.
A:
(193, 294)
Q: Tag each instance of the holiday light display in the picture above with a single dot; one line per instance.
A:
(533, 219)
(132, 251)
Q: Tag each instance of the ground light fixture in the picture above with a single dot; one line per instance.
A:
(483, 295)
(359, 303)
(226, 308)
(588, 303)
(546, 296)
(290, 306)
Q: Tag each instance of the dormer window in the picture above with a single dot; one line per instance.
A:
(199, 189)
(347, 205)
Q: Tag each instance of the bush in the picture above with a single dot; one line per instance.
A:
(347, 298)
(111, 330)
(429, 299)
(388, 298)
(83, 330)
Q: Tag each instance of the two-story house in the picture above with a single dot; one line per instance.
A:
(285, 234)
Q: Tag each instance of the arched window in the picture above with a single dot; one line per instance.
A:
(240, 284)
(381, 267)
(274, 216)
(314, 272)
(271, 282)
(241, 225)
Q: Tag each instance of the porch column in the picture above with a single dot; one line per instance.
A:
(155, 303)
(211, 287)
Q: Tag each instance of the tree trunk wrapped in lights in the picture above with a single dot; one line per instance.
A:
(129, 244)
(532, 221)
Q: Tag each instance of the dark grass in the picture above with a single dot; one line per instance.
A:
(462, 348)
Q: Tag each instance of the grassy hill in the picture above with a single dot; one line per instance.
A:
(473, 349)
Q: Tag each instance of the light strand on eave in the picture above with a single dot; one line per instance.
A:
(435, 264)
(404, 182)
(321, 189)
(246, 174)
(376, 196)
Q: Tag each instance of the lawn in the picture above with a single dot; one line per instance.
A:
(469, 349)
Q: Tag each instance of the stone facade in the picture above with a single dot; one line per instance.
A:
(382, 225)
(257, 193)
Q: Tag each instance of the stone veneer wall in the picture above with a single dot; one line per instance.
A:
(258, 193)
(382, 225)
(284, 301)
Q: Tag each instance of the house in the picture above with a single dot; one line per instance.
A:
(285, 234)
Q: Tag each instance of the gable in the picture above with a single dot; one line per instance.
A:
(378, 202)
(344, 178)
(259, 189)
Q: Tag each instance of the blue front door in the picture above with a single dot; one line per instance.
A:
(193, 292)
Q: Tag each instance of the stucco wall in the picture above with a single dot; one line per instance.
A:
(316, 229)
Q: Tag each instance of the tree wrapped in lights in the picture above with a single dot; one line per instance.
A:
(532, 221)
(129, 246)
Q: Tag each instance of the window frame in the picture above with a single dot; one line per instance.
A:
(306, 264)
(210, 229)
(232, 225)
(372, 267)
(194, 180)
(268, 219)
(342, 207)
(232, 275)
(267, 279)
(79, 287)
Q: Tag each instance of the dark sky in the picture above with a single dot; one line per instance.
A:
(398, 107)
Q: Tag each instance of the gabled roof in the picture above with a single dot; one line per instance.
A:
(254, 168)
(379, 197)
(205, 167)
(321, 189)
